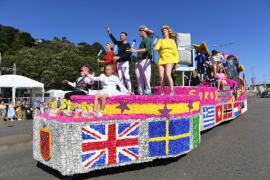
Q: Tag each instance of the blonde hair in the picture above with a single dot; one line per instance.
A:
(172, 34)
(111, 46)
(148, 31)
(111, 66)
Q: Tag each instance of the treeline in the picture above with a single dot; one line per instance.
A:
(52, 61)
(47, 61)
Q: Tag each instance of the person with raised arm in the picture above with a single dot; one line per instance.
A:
(122, 57)
(143, 65)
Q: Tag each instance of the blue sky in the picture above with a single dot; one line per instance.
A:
(245, 23)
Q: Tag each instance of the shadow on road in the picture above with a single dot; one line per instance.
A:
(221, 124)
(109, 171)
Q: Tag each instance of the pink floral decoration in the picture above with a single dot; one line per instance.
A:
(113, 117)
(139, 99)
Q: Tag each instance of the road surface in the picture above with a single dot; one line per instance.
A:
(239, 149)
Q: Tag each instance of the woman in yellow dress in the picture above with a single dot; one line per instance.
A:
(168, 56)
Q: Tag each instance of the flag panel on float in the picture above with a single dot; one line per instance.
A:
(237, 109)
(208, 117)
(169, 137)
(227, 111)
(110, 144)
(219, 113)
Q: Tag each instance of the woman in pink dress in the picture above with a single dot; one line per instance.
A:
(221, 76)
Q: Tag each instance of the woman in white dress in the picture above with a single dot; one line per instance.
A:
(109, 84)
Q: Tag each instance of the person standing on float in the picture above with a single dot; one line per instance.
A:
(122, 58)
(168, 56)
(143, 65)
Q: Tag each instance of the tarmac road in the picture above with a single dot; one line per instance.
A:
(239, 149)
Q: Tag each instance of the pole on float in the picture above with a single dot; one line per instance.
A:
(99, 53)
(123, 73)
(153, 56)
(133, 43)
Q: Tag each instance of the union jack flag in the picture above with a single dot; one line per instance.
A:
(110, 144)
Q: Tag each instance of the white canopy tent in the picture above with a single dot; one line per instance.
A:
(56, 93)
(17, 81)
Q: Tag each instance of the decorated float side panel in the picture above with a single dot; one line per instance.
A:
(102, 144)
(216, 114)
(207, 96)
(71, 143)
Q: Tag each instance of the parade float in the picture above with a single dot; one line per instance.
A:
(134, 128)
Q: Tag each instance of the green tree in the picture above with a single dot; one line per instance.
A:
(48, 61)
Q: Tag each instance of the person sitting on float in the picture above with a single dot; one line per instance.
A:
(221, 76)
(195, 80)
(209, 74)
(211, 79)
(168, 56)
(82, 84)
(109, 84)
(108, 59)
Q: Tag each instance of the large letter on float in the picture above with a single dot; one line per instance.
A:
(192, 92)
(206, 95)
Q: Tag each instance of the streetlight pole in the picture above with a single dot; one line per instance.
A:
(0, 64)
(14, 69)
(0, 68)
(252, 78)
